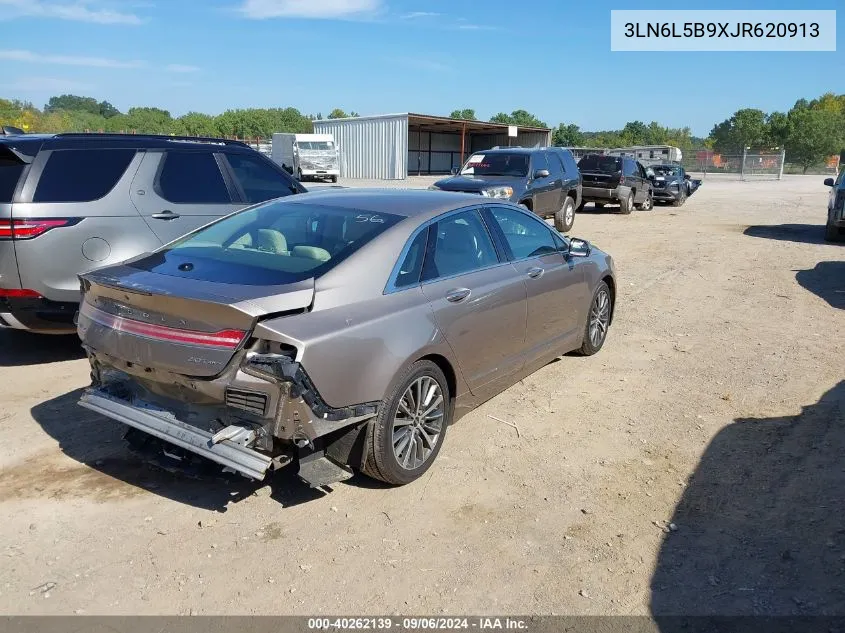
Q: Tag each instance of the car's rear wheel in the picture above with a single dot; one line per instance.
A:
(598, 320)
(831, 232)
(409, 430)
(565, 216)
(334, 179)
(627, 203)
(679, 201)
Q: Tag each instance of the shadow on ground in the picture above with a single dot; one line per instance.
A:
(19, 348)
(97, 442)
(801, 233)
(761, 525)
(826, 280)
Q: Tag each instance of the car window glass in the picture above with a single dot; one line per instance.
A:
(525, 236)
(601, 164)
(460, 243)
(10, 172)
(192, 178)
(840, 176)
(76, 175)
(555, 166)
(411, 267)
(538, 161)
(640, 170)
(258, 180)
(496, 164)
(630, 168)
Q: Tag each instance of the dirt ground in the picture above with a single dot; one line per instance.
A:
(693, 466)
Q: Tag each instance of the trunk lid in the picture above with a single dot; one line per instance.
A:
(177, 324)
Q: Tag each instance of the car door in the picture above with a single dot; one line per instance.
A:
(180, 190)
(557, 288)
(643, 183)
(478, 298)
(541, 188)
(556, 192)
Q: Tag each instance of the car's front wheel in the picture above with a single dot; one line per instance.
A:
(409, 430)
(565, 216)
(598, 320)
(626, 204)
(831, 232)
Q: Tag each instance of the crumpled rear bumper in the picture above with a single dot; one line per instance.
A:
(165, 426)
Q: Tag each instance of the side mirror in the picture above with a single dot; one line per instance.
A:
(454, 171)
(541, 173)
(828, 182)
(579, 247)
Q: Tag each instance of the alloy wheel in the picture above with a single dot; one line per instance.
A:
(418, 422)
(599, 318)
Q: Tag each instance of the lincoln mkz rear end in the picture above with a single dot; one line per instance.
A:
(204, 348)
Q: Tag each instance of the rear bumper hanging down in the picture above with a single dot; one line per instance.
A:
(165, 426)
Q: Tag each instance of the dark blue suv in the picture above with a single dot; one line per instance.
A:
(545, 180)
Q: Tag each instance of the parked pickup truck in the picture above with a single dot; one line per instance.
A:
(615, 180)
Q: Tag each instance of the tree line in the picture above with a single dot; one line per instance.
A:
(810, 132)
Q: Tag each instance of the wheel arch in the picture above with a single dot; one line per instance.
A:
(611, 285)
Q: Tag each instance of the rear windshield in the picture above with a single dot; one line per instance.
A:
(10, 172)
(603, 164)
(270, 244)
(496, 164)
(315, 145)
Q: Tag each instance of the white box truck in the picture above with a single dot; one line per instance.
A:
(307, 155)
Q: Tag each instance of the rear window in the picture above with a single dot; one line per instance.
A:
(10, 173)
(603, 164)
(271, 244)
(81, 175)
(192, 178)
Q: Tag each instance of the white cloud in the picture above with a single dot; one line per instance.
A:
(181, 68)
(322, 9)
(78, 11)
(476, 27)
(414, 15)
(45, 84)
(67, 60)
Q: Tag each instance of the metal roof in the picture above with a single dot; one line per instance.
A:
(445, 124)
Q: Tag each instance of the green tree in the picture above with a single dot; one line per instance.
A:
(196, 124)
(107, 110)
(777, 129)
(145, 120)
(467, 114)
(635, 133)
(337, 113)
(813, 136)
(568, 136)
(74, 103)
(521, 118)
(746, 128)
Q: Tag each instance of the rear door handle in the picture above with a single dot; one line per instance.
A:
(458, 294)
(536, 272)
(167, 214)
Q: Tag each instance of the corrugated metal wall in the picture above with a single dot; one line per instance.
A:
(525, 139)
(370, 147)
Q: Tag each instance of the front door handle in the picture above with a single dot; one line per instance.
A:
(458, 294)
(535, 272)
(167, 214)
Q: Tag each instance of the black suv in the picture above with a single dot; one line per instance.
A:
(616, 180)
(70, 203)
(544, 180)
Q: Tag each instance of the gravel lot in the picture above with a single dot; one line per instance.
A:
(693, 466)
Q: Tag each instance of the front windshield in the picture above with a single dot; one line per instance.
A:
(315, 145)
(496, 164)
(667, 170)
(270, 244)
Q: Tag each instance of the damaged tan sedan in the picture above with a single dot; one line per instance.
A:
(341, 330)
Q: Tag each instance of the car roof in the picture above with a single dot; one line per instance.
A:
(146, 141)
(511, 150)
(420, 203)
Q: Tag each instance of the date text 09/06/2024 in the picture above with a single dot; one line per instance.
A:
(417, 624)
(721, 29)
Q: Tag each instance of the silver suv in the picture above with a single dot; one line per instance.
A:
(70, 203)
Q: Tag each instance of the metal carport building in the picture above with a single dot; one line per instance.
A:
(394, 146)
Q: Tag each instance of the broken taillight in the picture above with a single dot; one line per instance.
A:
(26, 229)
(225, 339)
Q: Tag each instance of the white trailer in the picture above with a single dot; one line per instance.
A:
(307, 155)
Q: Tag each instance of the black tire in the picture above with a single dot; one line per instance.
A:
(565, 216)
(648, 204)
(598, 205)
(831, 233)
(299, 176)
(679, 201)
(626, 205)
(381, 462)
(334, 179)
(588, 345)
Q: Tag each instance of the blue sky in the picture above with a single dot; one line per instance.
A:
(550, 57)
